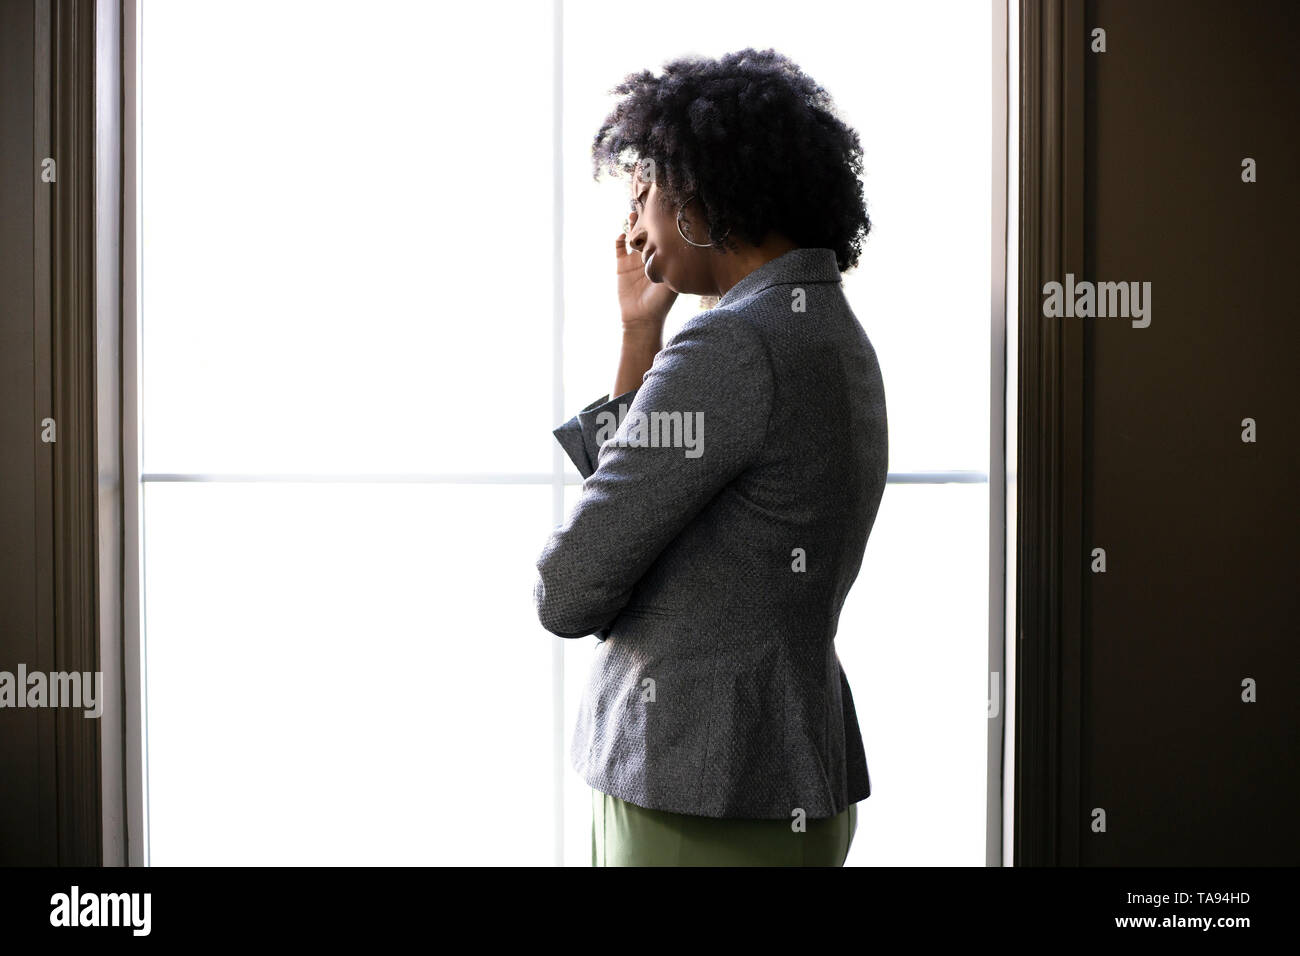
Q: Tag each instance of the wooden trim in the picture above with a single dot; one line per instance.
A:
(77, 816)
(108, 413)
(1049, 819)
(995, 804)
(42, 246)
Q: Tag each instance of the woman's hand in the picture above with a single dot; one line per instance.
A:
(644, 304)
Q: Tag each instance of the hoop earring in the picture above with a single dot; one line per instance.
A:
(697, 245)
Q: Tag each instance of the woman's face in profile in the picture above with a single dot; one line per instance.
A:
(653, 233)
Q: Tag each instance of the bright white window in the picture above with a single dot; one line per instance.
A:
(347, 244)
(349, 324)
(913, 79)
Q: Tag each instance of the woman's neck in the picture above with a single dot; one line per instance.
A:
(734, 266)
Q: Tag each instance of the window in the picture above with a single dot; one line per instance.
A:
(346, 328)
(913, 79)
(375, 275)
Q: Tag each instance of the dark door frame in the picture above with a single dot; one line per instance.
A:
(76, 619)
(1049, 820)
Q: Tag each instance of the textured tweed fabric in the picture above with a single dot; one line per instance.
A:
(713, 574)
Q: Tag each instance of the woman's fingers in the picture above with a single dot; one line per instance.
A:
(625, 259)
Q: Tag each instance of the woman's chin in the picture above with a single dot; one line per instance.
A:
(662, 278)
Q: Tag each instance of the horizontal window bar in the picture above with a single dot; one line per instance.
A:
(936, 477)
(433, 478)
(491, 478)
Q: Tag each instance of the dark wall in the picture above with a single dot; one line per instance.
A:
(22, 838)
(50, 767)
(1200, 529)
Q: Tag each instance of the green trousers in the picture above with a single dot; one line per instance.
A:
(623, 834)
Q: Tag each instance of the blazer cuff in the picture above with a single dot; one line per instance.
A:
(579, 436)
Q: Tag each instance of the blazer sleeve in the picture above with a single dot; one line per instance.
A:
(581, 435)
(644, 489)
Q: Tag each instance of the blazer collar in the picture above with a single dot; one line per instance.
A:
(797, 265)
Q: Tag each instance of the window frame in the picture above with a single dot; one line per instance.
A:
(130, 827)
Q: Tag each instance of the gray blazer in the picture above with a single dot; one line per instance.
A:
(712, 549)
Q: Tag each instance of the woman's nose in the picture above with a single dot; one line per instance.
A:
(637, 236)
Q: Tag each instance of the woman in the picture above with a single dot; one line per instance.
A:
(731, 485)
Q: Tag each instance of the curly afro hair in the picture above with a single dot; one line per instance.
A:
(754, 138)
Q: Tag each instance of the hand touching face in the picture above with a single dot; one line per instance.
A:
(653, 233)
